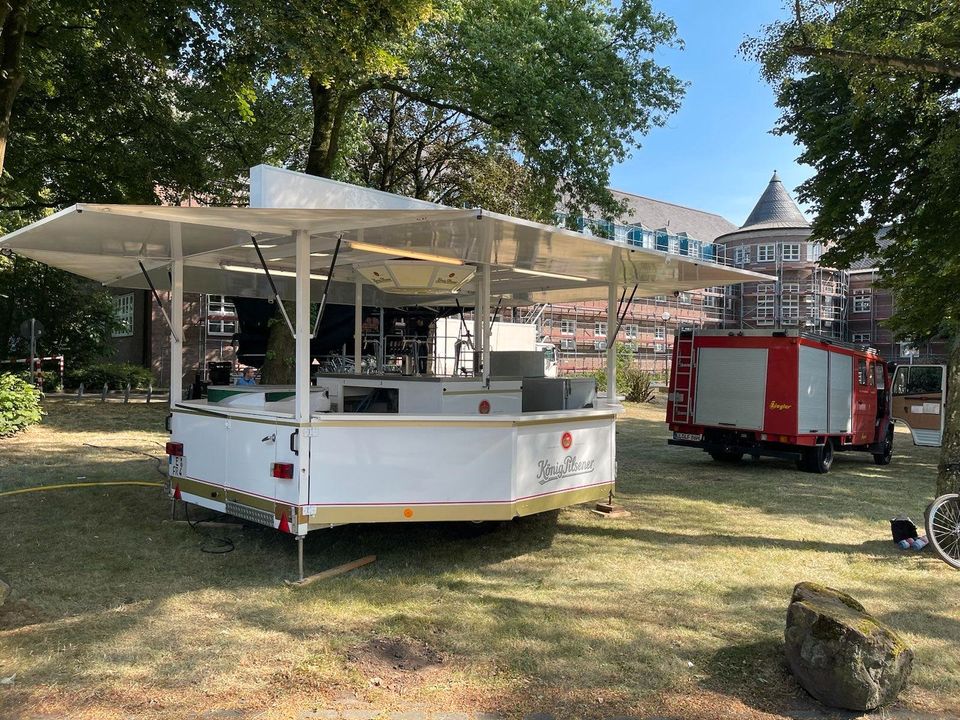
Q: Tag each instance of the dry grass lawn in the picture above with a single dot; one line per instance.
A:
(678, 609)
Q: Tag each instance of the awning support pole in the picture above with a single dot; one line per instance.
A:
(485, 322)
(302, 334)
(612, 339)
(273, 287)
(358, 327)
(326, 287)
(156, 296)
(176, 312)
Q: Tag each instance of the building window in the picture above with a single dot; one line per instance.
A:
(659, 332)
(685, 298)
(791, 288)
(568, 327)
(600, 345)
(766, 253)
(568, 344)
(790, 309)
(600, 329)
(741, 255)
(862, 302)
(123, 312)
(221, 315)
(660, 298)
(766, 301)
(659, 347)
(790, 252)
(631, 332)
(814, 252)
(861, 338)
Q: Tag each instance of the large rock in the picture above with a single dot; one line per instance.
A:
(840, 654)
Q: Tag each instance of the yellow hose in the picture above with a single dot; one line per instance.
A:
(41, 488)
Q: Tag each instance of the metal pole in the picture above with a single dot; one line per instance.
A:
(302, 334)
(176, 315)
(485, 325)
(357, 326)
(300, 556)
(612, 341)
(33, 351)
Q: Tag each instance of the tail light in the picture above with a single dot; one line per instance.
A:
(175, 449)
(282, 471)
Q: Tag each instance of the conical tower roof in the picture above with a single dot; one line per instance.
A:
(775, 209)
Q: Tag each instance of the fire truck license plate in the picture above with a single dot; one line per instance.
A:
(176, 466)
(687, 436)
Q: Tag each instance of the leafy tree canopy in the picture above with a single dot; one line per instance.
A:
(870, 89)
(566, 88)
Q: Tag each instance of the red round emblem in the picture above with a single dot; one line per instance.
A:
(484, 407)
(566, 440)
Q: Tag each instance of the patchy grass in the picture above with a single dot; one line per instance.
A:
(678, 609)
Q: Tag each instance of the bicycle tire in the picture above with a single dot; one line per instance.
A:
(943, 528)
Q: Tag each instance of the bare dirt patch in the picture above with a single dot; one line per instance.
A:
(394, 658)
(16, 614)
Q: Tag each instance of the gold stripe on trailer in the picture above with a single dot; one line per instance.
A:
(326, 516)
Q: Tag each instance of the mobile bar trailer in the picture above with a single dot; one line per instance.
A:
(320, 453)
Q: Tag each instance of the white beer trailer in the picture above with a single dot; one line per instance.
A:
(297, 458)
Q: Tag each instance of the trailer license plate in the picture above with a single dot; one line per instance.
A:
(176, 466)
(687, 436)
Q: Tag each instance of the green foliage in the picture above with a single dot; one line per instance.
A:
(115, 375)
(634, 384)
(871, 90)
(865, 87)
(77, 315)
(19, 405)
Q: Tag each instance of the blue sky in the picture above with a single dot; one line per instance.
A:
(717, 152)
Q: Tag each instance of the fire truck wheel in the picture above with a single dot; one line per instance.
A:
(943, 528)
(726, 456)
(819, 458)
(884, 458)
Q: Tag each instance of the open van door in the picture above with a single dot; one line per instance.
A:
(919, 394)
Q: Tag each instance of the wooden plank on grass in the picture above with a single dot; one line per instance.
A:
(333, 572)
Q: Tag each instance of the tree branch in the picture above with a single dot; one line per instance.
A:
(896, 62)
(426, 100)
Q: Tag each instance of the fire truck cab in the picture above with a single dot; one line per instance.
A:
(784, 394)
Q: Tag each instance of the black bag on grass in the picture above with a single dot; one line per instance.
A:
(902, 528)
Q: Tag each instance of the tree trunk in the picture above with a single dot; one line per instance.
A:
(279, 367)
(324, 141)
(14, 23)
(948, 476)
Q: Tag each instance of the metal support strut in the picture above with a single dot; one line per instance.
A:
(300, 556)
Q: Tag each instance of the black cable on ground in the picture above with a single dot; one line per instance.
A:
(224, 544)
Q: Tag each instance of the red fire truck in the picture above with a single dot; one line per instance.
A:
(778, 393)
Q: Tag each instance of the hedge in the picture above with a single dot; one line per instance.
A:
(115, 375)
(19, 404)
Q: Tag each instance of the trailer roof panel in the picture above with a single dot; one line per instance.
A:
(531, 262)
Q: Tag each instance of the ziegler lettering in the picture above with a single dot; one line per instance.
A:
(568, 467)
(774, 405)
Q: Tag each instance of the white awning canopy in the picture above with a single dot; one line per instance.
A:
(530, 262)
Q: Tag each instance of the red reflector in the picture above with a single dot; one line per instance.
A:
(175, 449)
(283, 471)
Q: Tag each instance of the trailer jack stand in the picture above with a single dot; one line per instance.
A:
(300, 557)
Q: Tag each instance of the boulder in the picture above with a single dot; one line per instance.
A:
(840, 654)
(4, 592)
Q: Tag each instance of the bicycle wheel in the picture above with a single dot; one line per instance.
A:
(943, 528)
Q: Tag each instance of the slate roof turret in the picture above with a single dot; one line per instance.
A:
(775, 209)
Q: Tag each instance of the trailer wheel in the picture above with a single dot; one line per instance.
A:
(943, 528)
(726, 456)
(818, 459)
(884, 458)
